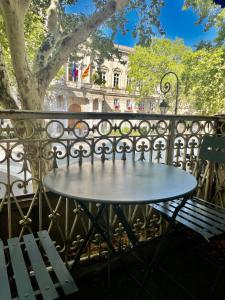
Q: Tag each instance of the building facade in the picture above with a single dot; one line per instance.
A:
(85, 88)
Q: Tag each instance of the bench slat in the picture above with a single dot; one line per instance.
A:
(192, 219)
(206, 213)
(22, 279)
(219, 212)
(5, 293)
(201, 215)
(183, 221)
(64, 277)
(44, 280)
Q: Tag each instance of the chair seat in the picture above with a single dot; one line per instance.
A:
(27, 276)
(201, 216)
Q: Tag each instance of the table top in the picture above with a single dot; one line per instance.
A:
(123, 182)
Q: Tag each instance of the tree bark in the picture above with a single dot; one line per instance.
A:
(6, 98)
(30, 93)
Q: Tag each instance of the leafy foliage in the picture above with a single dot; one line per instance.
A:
(204, 79)
(149, 64)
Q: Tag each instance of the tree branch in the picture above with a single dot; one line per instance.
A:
(120, 4)
(6, 99)
(52, 13)
(78, 36)
(52, 37)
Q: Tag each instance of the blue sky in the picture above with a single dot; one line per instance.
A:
(175, 21)
(181, 23)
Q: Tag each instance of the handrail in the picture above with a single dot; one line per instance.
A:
(26, 114)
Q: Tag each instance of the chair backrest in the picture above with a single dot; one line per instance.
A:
(213, 149)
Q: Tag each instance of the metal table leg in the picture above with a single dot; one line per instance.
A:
(95, 224)
(119, 212)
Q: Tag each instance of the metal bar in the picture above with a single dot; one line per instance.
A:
(126, 225)
(67, 283)
(4, 281)
(94, 220)
(191, 222)
(25, 115)
(218, 212)
(171, 139)
(23, 284)
(44, 280)
(208, 216)
(8, 194)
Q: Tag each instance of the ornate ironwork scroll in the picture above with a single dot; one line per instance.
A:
(30, 143)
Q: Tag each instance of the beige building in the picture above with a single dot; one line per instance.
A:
(83, 89)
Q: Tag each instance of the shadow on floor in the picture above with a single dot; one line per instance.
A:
(189, 269)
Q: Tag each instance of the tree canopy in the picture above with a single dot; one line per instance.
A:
(204, 79)
(147, 65)
(201, 73)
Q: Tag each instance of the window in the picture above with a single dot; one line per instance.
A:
(116, 80)
(129, 105)
(136, 106)
(116, 104)
(103, 74)
(141, 105)
(128, 82)
(103, 77)
(139, 85)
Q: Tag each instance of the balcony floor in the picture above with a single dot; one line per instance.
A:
(189, 270)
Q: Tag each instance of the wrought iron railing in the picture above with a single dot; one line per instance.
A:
(31, 143)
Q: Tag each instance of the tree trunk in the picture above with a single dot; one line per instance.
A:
(32, 133)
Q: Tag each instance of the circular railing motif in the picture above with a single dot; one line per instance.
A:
(159, 139)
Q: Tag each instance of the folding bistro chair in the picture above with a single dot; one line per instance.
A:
(29, 269)
(201, 216)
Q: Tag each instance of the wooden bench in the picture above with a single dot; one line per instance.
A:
(23, 273)
(201, 216)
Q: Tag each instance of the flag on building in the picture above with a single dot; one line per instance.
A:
(74, 72)
(86, 72)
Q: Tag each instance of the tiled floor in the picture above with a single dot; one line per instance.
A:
(189, 270)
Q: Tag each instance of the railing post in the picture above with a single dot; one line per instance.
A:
(171, 139)
(220, 170)
(8, 191)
